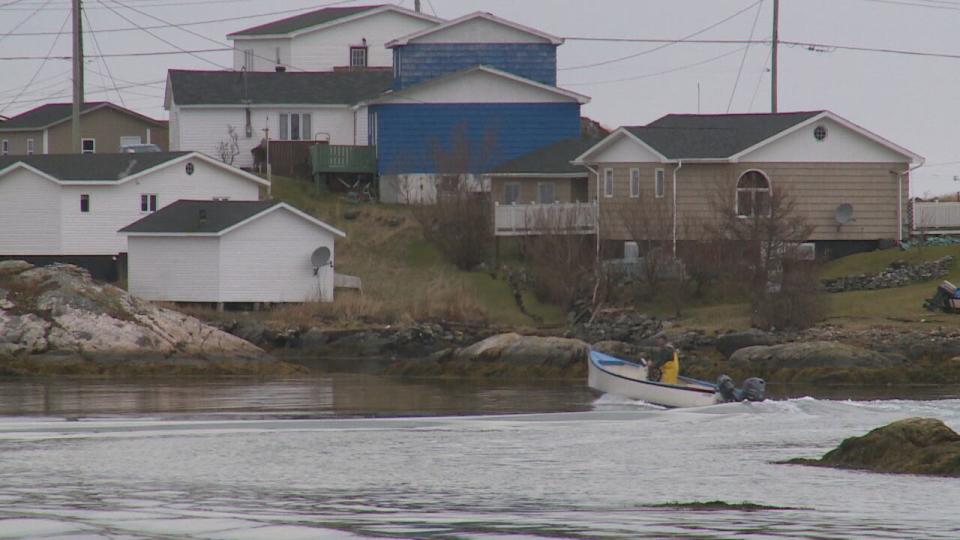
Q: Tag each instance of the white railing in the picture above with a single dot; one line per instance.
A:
(935, 217)
(529, 219)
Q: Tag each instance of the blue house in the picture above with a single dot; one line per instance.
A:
(468, 95)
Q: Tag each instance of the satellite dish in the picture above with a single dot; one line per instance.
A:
(843, 214)
(320, 257)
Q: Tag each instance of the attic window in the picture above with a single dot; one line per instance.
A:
(820, 133)
(189, 168)
(358, 57)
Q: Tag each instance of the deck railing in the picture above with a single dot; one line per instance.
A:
(534, 219)
(328, 158)
(936, 217)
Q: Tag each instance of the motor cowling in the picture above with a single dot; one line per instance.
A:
(726, 388)
(754, 389)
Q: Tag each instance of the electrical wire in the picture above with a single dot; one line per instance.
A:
(119, 55)
(743, 59)
(39, 68)
(22, 22)
(658, 73)
(763, 72)
(106, 66)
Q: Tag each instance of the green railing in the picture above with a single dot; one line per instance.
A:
(328, 158)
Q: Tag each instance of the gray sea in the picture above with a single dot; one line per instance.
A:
(369, 457)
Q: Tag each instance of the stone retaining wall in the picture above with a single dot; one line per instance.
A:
(898, 274)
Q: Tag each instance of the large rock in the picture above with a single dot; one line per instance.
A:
(515, 349)
(911, 446)
(732, 342)
(59, 310)
(812, 354)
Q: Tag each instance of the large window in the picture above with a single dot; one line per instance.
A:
(511, 192)
(608, 182)
(546, 193)
(753, 194)
(148, 203)
(358, 57)
(295, 127)
(659, 184)
(635, 183)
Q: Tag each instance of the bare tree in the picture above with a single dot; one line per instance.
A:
(229, 149)
(649, 223)
(561, 258)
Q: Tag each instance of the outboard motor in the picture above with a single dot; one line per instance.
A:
(754, 389)
(726, 388)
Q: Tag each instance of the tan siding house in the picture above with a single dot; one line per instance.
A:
(851, 185)
(104, 128)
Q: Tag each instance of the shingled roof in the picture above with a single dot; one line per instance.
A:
(92, 167)
(270, 87)
(551, 159)
(183, 217)
(706, 136)
(49, 114)
(319, 17)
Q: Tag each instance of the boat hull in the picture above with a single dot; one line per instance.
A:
(612, 375)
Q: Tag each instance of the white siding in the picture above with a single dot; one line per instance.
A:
(113, 207)
(264, 53)
(623, 150)
(30, 214)
(325, 49)
(478, 87)
(203, 128)
(361, 129)
(841, 145)
(173, 129)
(174, 269)
(480, 30)
(268, 260)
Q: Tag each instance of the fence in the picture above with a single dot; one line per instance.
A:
(936, 217)
(532, 219)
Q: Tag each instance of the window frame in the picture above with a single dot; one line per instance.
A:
(608, 183)
(753, 194)
(507, 188)
(248, 59)
(286, 122)
(660, 183)
(553, 188)
(4, 147)
(635, 183)
(148, 203)
(93, 145)
(366, 56)
(84, 203)
(31, 147)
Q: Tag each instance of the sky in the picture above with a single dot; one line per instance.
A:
(910, 99)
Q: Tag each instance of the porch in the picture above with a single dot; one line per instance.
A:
(337, 158)
(535, 218)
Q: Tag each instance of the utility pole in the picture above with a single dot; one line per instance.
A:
(773, 56)
(77, 76)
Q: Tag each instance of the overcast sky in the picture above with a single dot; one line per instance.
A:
(909, 99)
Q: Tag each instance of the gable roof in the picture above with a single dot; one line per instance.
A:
(325, 17)
(553, 159)
(106, 168)
(471, 16)
(50, 114)
(183, 217)
(271, 87)
(579, 98)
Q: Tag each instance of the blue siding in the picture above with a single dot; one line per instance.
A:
(420, 138)
(423, 61)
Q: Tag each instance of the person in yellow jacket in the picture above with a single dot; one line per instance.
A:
(665, 366)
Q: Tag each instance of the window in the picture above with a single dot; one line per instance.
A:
(248, 59)
(4, 147)
(659, 184)
(753, 195)
(148, 202)
(820, 133)
(84, 203)
(29, 146)
(635, 183)
(358, 56)
(88, 146)
(372, 134)
(511, 193)
(608, 182)
(295, 127)
(546, 193)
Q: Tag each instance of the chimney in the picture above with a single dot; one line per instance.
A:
(280, 69)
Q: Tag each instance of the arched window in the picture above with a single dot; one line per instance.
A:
(753, 194)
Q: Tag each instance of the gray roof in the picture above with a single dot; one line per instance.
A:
(92, 167)
(271, 87)
(551, 159)
(304, 20)
(184, 216)
(52, 113)
(705, 136)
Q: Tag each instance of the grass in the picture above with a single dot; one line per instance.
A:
(404, 277)
(877, 261)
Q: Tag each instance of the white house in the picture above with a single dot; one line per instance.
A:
(73, 204)
(231, 251)
(317, 106)
(326, 39)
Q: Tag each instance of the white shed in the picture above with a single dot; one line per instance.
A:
(231, 251)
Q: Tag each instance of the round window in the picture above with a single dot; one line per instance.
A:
(189, 168)
(820, 133)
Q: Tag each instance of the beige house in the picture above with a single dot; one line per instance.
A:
(849, 183)
(104, 128)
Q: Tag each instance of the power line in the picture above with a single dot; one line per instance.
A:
(106, 66)
(648, 51)
(756, 90)
(25, 19)
(39, 68)
(122, 55)
(743, 59)
(951, 6)
(69, 92)
(658, 73)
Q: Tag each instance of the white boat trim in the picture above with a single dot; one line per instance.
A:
(692, 393)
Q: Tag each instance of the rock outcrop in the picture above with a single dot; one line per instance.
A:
(911, 446)
(515, 349)
(58, 313)
(732, 342)
(811, 354)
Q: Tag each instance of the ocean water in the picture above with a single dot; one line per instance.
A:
(289, 465)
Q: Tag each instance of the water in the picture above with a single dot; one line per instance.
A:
(331, 458)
